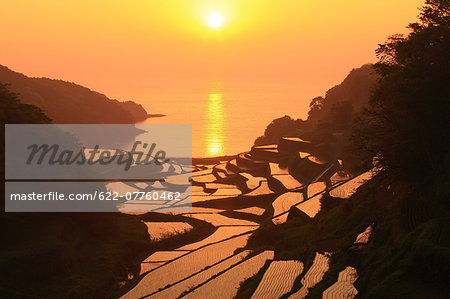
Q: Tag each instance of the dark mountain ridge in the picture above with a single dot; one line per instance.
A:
(66, 102)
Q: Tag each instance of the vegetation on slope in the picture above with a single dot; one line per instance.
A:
(405, 127)
(408, 121)
(66, 102)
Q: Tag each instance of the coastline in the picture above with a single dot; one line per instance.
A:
(155, 115)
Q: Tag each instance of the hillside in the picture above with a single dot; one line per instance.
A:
(342, 102)
(66, 102)
(330, 118)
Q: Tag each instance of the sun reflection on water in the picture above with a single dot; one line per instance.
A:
(215, 134)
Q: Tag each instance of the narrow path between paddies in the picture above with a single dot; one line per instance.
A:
(222, 233)
(343, 287)
(278, 279)
(226, 285)
(320, 266)
(185, 266)
(180, 287)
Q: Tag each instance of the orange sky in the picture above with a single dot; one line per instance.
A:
(130, 48)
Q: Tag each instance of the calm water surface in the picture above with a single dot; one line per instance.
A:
(222, 123)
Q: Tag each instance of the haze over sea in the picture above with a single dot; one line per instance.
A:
(224, 123)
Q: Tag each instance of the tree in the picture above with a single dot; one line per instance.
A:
(341, 115)
(278, 128)
(315, 107)
(12, 111)
(407, 122)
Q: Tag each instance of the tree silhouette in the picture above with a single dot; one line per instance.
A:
(279, 127)
(407, 122)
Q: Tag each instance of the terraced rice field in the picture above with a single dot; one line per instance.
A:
(164, 256)
(203, 210)
(203, 172)
(146, 267)
(159, 258)
(230, 192)
(314, 275)
(261, 190)
(219, 186)
(276, 169)
(176, 168)
(278, 279)
(207, 178)
(336, 178)
(222, 233)
(179, 178)
(199, 191)
(280, 219)
(145, 185)
(311, 207)
(162, 230)
(142, 207)
(316, 188)
(348, 188)
(185, 266)
(288, 181)
(208, 197)
(343, 287)
(209, 268)
(180, 287)
(227, 284)
(363, 238)
(285, 201)
(120, 188)
(252, 210)
(195, 189)
(252, 181)
(220, 220)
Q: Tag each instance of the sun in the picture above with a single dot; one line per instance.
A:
(215, 20)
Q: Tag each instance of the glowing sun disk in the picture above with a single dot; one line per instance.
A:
(215, 20)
